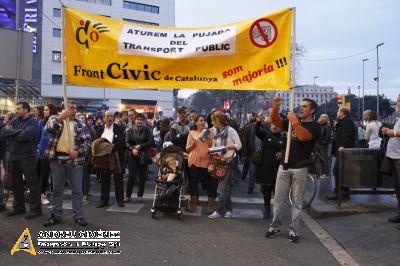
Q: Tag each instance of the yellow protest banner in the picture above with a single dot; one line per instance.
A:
(249, 55)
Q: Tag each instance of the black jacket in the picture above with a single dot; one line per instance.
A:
(272, 144)
(23, 138)
(142, 137)
(326, 135)
(249, 145)
(118, 140)
(183, 131)
(3, 143)
(345, 133)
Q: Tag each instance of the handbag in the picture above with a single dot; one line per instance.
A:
(219, 166)
(257, 156)
(7, 181)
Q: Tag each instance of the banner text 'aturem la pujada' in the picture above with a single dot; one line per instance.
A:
(249, 55)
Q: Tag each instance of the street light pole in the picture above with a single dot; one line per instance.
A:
(363, 107)
(377, 77)
(315, 77)
(359, 101)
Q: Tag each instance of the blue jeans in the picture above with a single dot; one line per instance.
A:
(252, 175)
(224, 198)
(61, 171)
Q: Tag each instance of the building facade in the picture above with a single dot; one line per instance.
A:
(320, 94)
(44, 18)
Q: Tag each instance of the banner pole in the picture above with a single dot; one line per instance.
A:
(292, 84)
(63, 66)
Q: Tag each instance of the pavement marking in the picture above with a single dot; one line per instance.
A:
(67, 205)
(247, 213)
(337, 251)
(197, 213)
(129, 207)
(201, 198)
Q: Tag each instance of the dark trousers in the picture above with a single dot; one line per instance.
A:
(87, 170)
(44, 175)
(267, 193)
(246, 166)
(335, 172)
(28, 168)
(106, 183)
(395, 167)
(136, 169)
(197, 174)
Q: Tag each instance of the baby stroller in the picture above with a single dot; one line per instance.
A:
(169, 195)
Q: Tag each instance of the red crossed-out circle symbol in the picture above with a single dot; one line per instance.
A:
(263, 33)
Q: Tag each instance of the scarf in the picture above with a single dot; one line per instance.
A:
(222, 134)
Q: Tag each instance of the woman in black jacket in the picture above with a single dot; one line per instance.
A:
(272, 144)
(138, 140)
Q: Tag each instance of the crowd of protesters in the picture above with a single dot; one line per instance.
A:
(44, 149)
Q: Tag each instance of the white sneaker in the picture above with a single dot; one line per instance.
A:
(228, 214)
(215, 215)
(86, 198)
(44, 200)
(324, 176)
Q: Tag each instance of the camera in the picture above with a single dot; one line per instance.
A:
(204, 134)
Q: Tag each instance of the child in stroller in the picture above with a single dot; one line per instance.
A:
(168, 194)
(169, 173)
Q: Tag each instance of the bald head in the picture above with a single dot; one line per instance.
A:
(323, 119)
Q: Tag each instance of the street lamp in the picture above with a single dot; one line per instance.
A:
(315, 77)
(363, 108)
(377, 77)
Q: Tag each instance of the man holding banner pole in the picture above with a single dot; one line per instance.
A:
(293, 172)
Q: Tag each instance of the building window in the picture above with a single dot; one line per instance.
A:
(104, 2)
(56, 79)
(56, 56)
(56, 32)
(141, 7)
(56, 12)
(141, 22)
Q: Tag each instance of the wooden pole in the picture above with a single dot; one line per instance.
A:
(63, 65)
(292, 84)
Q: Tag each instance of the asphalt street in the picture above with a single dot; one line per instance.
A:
(195, 240)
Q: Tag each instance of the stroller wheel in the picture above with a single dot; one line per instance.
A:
(153, 214)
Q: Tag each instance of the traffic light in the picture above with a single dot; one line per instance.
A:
(340, 100)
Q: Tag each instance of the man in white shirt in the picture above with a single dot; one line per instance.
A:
(393, 155)
(114, 133)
